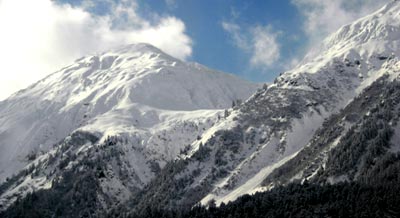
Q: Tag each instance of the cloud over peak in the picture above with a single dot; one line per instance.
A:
(41, 36)
(266, 49)
(258, 41)
(324, 17)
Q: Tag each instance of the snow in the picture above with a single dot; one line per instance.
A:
(343, 66)
(28, 185)
(251, 186)
(303, 130)
(224, 124)
(364, 48)
(132, 90)
(258, 163)
(159, 105)
(338, 179)
(375, 34)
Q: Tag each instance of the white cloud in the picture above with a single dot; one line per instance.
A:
(324, 17)
(266, 50)
(39, 37)
(237, 35)
(259, 41)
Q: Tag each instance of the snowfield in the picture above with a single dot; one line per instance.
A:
(135, 90)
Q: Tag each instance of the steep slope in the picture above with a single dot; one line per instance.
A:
(349, 169)
(359, 144)
(350, 61)
(373, 193)
(136, 91)
(236, 155)
(252, 147)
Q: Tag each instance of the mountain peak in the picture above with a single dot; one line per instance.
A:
(373, 35)
(138, 48)
(138, 80)
(377, 32)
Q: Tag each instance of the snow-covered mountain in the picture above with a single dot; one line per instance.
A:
(136, 91)
(145, 147)
(235, 156)
(328, 79)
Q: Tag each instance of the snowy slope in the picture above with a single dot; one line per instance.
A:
(364, 45)
(276, 123)
(136, 90)
(344, 149)
(225, 153)
(347, 62)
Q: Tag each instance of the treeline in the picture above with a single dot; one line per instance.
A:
(366, 143)
(75, 195)
(294, 200)
(299, 200)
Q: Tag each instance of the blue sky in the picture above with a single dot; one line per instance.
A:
(218, 48)
(213, 46)
(254, 39)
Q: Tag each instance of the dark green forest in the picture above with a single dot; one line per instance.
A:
(294, 200)
(301, 200)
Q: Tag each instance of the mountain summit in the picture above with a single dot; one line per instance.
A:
(122, 91)
(148, 131)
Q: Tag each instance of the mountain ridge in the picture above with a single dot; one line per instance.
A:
(305, 127)
(263, 131)
(137, 79)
